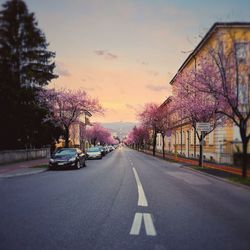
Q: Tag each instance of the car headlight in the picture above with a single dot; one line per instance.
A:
(51, 160)
(72, 159)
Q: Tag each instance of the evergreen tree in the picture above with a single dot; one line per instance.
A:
(26, 66)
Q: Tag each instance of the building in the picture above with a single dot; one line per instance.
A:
(77, 135)
(220, 144)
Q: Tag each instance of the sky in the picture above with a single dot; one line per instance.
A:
(125, 52)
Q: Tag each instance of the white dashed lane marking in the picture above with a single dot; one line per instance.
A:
(136, 226)
(148, 223)
(142, 200)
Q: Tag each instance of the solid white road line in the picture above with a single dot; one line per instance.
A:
(148, 222)
(142, 200)
(149, 225)
(136, 226)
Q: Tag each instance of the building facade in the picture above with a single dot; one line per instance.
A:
(221, 144)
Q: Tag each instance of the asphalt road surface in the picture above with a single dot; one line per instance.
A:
(127, 200)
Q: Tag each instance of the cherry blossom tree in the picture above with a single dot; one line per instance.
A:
(163, 120)
(195, 106)
(149, 120)
(138, 137)
(98, 134)
(67, 107)
(223, 75)
(129, 141)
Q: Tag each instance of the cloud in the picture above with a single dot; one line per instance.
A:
(61, 69)
(142, 63)
(106, 54)
(100, 52)
(155, 87)
(111, 56)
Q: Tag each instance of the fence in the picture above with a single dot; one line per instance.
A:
(8, 156)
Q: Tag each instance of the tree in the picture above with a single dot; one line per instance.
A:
(98, 134)
(163, 119)
(137, 137)
(25, 66)
(223, 75)
(194, 106)
(148, 119)
(23, 47)
(67, 107)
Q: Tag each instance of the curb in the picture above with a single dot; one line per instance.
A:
(23, 173)
(182, 165)
(218, 178)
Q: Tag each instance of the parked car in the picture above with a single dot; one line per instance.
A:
(111, 148)
(106, 148)
(67, 157)
(94, 153)
(102, 150)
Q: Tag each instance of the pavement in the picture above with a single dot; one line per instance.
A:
(22, 168)
(225, 168)
(127, 200)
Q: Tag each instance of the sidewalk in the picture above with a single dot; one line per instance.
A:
(22, 168)
(225, 168)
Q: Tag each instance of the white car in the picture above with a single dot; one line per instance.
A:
(94, 153)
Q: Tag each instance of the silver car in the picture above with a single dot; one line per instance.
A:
(94, 153)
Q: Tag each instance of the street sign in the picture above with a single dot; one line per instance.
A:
(203, 126)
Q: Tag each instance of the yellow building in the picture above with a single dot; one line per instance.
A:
(224, 140)
(77, 135)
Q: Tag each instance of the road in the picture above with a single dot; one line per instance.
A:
(127, 200)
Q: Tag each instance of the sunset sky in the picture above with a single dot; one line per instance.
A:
(125, 52)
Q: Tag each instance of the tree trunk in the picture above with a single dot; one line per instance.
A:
(163, 146)
(201, 148)
(201, 154)
(194, 143)
(244, 159)
(154, 141)
(245, 140)
(66, 136)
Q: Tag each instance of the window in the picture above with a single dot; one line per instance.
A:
(192, 136)
(241, 52)
(211, 138)
(243, 90)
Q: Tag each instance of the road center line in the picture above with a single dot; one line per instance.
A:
(142, 200)
(136, 227)
(148, 223)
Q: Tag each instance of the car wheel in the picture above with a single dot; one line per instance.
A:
(78, 165)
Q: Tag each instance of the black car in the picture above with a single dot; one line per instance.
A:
(67, 158)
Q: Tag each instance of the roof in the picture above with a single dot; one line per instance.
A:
(205, 39)
(87, 113)
(167, 101)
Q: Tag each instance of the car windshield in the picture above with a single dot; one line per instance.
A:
(67, 151)
(93, 150)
